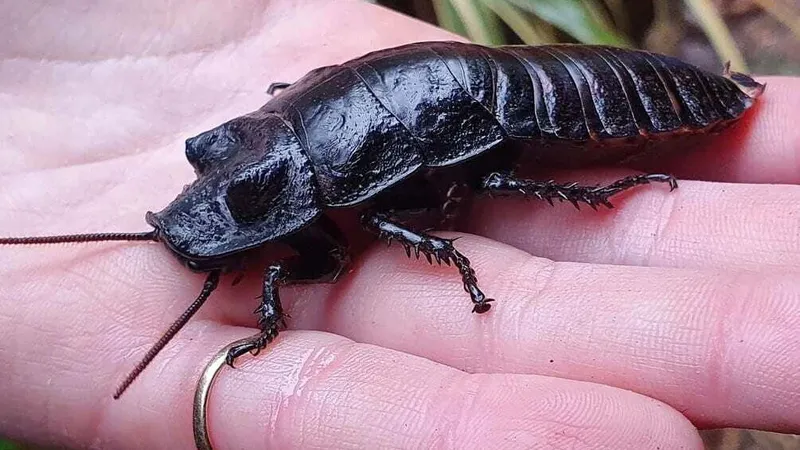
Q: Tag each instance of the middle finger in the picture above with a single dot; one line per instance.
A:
(718, 346)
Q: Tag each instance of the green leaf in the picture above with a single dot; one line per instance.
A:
(522, 23)
(578, 18)
(483, 26)
(448, 18)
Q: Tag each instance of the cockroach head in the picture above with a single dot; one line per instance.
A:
(255, 185)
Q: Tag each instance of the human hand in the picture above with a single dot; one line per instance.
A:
(697, 317)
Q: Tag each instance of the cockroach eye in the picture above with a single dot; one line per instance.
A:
(211, 148)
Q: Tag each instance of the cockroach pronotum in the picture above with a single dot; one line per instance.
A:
(421, 127)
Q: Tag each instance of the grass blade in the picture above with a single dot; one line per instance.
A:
(483, 26)
(579, 18)
(620, 14)
(448, 18)
(521, 23)
(718, 33)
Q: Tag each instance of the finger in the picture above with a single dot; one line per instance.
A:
(761, 148)
(363, 396)
(699, 225)
(721, 347)
(671, 303)
(313, 390)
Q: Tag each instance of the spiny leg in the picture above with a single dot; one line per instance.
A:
(322, 256)
(278, 86)
(498, 183)
(270, 313)
(432, 247)
(457, 198)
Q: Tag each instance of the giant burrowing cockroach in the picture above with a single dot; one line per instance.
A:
(419, 127)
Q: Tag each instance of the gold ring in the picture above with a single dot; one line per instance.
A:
(204, 384)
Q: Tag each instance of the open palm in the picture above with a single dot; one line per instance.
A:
(674, 306)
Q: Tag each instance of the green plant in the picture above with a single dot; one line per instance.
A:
(609, 22)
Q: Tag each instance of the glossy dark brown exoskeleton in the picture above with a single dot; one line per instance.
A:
(420, 128)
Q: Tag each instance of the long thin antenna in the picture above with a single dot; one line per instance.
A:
(94, 237)
(211, 283)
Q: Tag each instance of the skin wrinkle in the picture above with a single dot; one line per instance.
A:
(47, 215)
(334, 404)
(441, 429)
(667, 356)
(723, 329)
(291, 406)
(615, 340)
(536, 429)
(411, 403)
(466, 408)
(487, 336)
(243, 33)
(461, 397)
(774, 369)
(92, 289)
(285, 406)
(544, 295)
(100, 189)
(528, 316)
(155, 142)
(666, 212)
(775, 137)
(531, 300)
(562, 416)
(58, 364)
(287, 335)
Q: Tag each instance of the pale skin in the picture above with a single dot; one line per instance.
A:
(624, 329)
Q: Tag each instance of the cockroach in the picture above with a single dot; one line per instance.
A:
(417, 128)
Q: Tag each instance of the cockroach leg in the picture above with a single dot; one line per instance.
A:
(270, 315)
(506, 184)
(434, 248)
(321, 257)
(457, 198)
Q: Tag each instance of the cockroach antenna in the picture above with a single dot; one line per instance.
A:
(70, 238)
(208, 288)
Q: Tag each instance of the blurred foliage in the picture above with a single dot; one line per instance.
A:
(754, 35)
